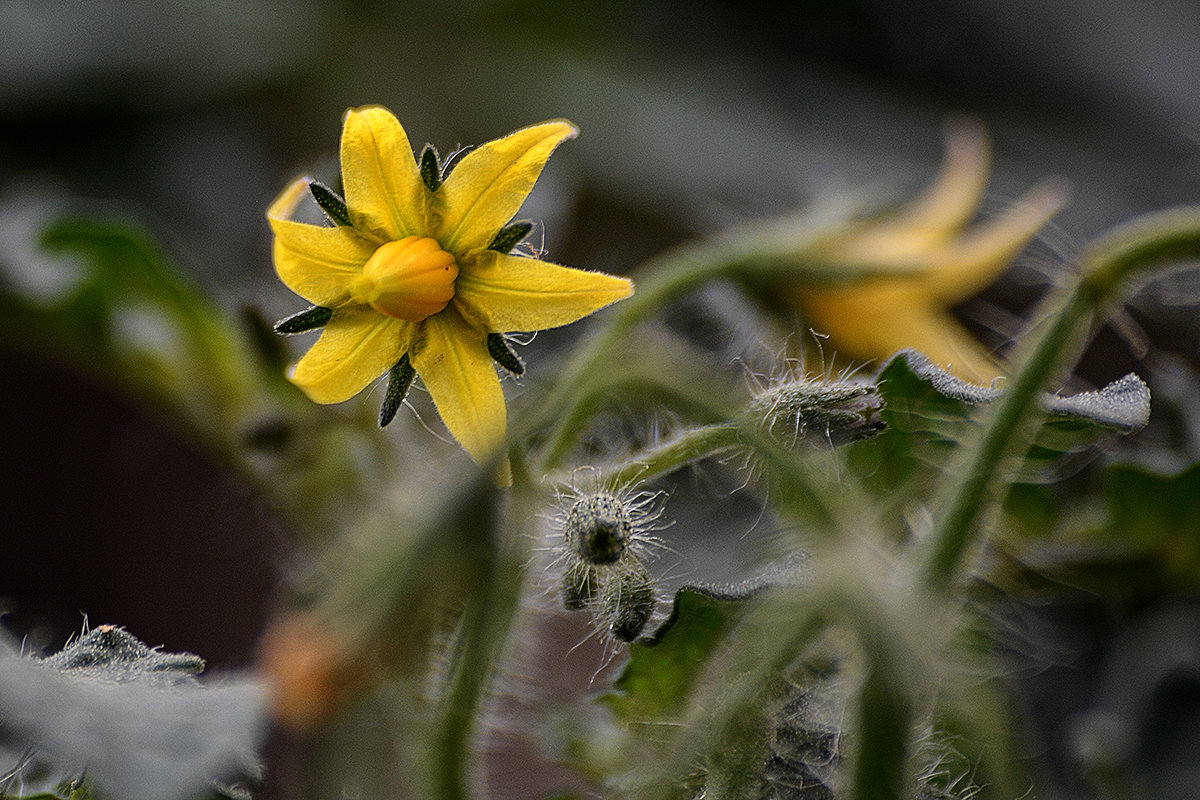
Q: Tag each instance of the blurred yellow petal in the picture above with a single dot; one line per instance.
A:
(384, 190)
(965, 267)
(487, 187)
(875, 320)
(318, 263)
(453, 362)
(953, 198)
(502, 293)
(936, 215)
(357, 346)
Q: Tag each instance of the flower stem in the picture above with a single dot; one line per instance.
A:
(691, 446)
(1144, 243)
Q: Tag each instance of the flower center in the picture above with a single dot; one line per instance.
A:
(411, 278)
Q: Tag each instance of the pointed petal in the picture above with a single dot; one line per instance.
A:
(315, 262)
(978, 258)
(935, 215)
(953, 197)
(383, 187)
(502, 293)
(358, 345)
(455, 367)
(488, 186)
(876, 321)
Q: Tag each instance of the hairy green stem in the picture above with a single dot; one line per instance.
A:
(749, 255)
(689, 447)
(1144, 243)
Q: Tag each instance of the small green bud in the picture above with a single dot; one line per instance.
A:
(307, 320)
(842, 411)
(509, 236)
(332, 204)
(579, 585)
(628, 599)
(598, 528)
(400, 377)
(503, 355)
(430, 171)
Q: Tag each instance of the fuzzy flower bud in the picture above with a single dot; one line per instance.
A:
(841, 411)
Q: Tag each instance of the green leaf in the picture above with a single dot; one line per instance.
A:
(664, 665)
(1147, 543)
(929, 411)
(662, 670)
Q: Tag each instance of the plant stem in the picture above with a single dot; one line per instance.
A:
(693, 445)
(1144, 243)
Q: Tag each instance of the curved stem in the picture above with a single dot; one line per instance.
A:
(1141, 245)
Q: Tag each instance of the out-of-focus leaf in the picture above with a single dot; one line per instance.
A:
(131, 718)
(664, 665)
(1148, 541)
(929, 412)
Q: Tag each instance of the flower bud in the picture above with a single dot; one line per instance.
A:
(842, 411)
(628, 599)
(598, 528)
(411, 279)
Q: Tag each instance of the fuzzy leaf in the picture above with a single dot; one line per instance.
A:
(135, 719)
(928, 412)
(664, 665)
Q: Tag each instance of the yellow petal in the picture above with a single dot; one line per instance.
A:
(934, 216)
(486, 189)
(953, 198)
(315, 262)
(384, 190)
(874, 321)
(455, 367)
(358, 345)
(964, 268)
(502, 293)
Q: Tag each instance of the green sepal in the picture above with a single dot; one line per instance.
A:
(329, 201)
(453, 159)
(509, 236)
(307, 320)
(503, 355)
(400, 377)
(431, 172)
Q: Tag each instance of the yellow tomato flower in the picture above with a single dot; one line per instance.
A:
(924, 260)
(415, 274)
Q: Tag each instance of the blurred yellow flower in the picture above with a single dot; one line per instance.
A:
(416, 275)
(930, 261)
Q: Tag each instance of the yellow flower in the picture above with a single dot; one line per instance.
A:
(931, 262)
(415, 276)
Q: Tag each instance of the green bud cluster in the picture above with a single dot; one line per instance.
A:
(602, 568)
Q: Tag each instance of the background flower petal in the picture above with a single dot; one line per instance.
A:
(486, 189)
(503, 293)
(358, 345)
(383, 187)
(873, 320)
(455, 367)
